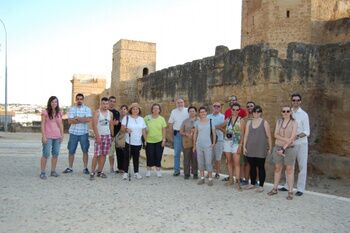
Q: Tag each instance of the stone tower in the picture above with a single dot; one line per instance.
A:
(131, 60)
(91, 86)
(280, 22)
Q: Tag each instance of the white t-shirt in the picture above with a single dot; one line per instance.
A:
(177, 117)
(136, 125)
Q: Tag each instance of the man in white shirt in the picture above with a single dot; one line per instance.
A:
(177, 116)
(300, 143)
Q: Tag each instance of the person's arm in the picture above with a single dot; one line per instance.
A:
(72, 120)
(182, 129)
(306, 127)
(61, 127)
(94, 127)
(242, 124)
(163, 136)
(268, 135)
(213, 131)
(111, 125)
(144, 134)
(195, 134)
(43, 138)
(246, 137)
(276, 134)
(87, 118)
(171, 125)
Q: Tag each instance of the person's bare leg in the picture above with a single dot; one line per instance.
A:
(94, 164)
(111, 162)
(43, 162)
(217, 166)
(85, 159)
(229, 164)
(101, 162)
(277, 175)
(236, 162)
(53, 163)
(290, 177)
(71, 160)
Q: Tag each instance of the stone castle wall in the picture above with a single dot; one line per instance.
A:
(320, 73)
(281, 22)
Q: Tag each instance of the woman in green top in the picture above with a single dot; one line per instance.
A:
(156, 132)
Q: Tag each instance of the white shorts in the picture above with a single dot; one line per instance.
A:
(230, 147)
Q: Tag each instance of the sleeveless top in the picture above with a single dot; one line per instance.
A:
(103, 123)
(285, 131)
(235, 130)
(257, 145)
(203, 137)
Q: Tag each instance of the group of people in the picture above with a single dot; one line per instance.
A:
(241, 134)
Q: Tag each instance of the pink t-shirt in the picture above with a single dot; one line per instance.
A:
(52, 126)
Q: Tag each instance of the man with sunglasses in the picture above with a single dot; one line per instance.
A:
(301, 143)
(217, 119)
(79, 117)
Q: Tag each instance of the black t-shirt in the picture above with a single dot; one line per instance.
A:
(116, 116)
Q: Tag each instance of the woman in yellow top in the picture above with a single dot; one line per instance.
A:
(156, 132)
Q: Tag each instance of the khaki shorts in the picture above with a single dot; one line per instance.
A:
(288, 159)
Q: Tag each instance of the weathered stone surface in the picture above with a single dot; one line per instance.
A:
(319, 72)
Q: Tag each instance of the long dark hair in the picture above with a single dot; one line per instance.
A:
(49, 108)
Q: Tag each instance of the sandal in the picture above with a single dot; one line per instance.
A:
(290, 196)
(102, 175)
(272, 192)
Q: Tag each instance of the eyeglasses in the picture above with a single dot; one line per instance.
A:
(285, 111)
(236, 109)
(295, 100)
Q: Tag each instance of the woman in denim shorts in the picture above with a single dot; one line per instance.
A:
(52, 135)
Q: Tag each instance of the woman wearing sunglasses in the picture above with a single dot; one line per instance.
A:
(233, 142)
(284, 153)
(257, 145)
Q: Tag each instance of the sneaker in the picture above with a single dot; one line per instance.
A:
(68, 170)
(43, 176)
(101, 175)
(176, 174)
(217, 176)
(159, 174)
(283, 189)
(201, 181)
(195, 176)
(259, 190)
(244, 182)
(138, 176)
(125, 176)
(92, 175)
(226, 179)
(86, 171)
(186, 177)
(148, 173)
(54, 174)
(112, 171)
(210, 183)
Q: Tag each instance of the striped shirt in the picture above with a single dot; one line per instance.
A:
(80, 128)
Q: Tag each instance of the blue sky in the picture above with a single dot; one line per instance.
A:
(49, 41)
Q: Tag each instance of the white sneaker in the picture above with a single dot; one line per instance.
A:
(159, 174)
(138, 176)
(148, 173)
(125, 176)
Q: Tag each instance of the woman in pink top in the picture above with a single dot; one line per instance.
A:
(52, 135)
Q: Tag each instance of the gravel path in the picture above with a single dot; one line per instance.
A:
(73, 203)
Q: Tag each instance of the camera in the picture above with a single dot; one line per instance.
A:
(229, 135)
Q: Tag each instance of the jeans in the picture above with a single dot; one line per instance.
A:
(177, 151)
(52, 146)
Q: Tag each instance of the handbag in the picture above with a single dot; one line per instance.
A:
(120, 137)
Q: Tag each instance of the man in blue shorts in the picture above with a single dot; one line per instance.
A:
(79, 117)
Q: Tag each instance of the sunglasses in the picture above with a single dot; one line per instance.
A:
(250, 106)
(236, 109)
(295, 100)
(257, 111)
(285, 111)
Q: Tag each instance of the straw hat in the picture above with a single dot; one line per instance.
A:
(135, 105)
